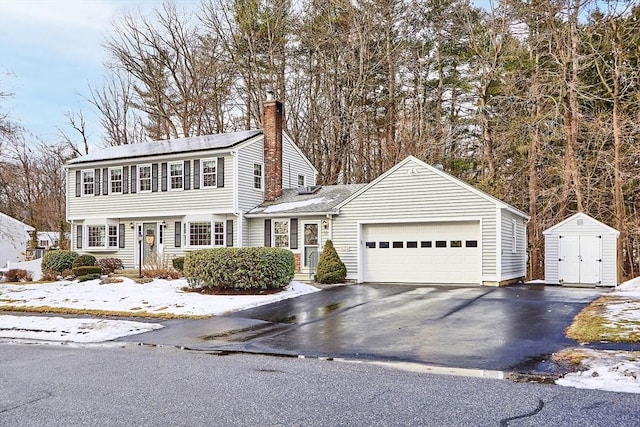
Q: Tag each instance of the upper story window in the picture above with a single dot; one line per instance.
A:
(88, 183)
(176, 176)
(281, 233)
(115, 180)
(209, 173)
(257, 176)
(144, 178)
(300, 180)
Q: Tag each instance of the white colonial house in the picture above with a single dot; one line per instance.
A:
(415, 223)
(14, 239)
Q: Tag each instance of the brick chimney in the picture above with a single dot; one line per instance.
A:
(272, 124)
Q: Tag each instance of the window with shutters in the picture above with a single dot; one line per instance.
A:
(113, 236)
(208, 168)
(115, 180)
(144, 178)
(206, 233)
(176, 176)
(88, 183)
(281, 233)
(96, 236)
(218, 234)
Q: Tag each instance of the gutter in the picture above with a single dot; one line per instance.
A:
(289, 214)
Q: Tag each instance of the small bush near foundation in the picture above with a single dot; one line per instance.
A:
(178, 263)
(331, 269)
(68, 274)
(84, 260)
(50, 275)
(109, 265)
(108, 280)
(86, 270)
(161, 273)
(58, 260)
(239, 268)
(17, 275)
(86, 277)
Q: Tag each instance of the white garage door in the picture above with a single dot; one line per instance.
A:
(444, 252)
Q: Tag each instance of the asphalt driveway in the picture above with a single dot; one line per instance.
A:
(468, 327)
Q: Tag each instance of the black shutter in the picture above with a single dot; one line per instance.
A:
(267, 233)
(96, 182)
(79, 237)
(78, 183)
(154, 177)
(105, 181)
(293, 233)
(220, 172)
(134, 178)
(187, 174)
(177, 234)
(121, 236)
(196, 174)
(164, 177)
(229, 232)
(125, 180)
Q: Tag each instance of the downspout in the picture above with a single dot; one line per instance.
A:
(498, 245)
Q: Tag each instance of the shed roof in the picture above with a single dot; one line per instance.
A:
(323, 201)
(583, 216)
(179, 145)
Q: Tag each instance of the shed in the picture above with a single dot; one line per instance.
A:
(580, 250)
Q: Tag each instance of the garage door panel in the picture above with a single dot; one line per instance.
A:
(426, 263)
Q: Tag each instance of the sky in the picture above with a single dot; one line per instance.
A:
(51, 53)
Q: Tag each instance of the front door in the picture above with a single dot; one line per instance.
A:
(149, 243)
(311, 245)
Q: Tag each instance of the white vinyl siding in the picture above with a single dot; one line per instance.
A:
(248, 196)
(514, 231)
(295, 164)
(413, 193)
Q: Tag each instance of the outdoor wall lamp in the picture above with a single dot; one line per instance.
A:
(325, 224)
(164, 223)
(139, 254)
(131, 225)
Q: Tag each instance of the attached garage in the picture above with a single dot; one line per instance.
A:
(580, 250)
(430, 252)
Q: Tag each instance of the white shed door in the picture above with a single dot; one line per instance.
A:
(580, 259)
(422, 253)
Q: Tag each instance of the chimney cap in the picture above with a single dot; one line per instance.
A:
(270, 96)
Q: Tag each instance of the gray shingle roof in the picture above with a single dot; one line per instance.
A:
(322, 201)
(180, 145)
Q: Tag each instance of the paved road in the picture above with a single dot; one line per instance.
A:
(86, 386)
(488, 328)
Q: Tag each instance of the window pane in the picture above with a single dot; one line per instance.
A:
(257, 176)
(176, 176)
(87, 182)
(113, 236)
(300, 180)
(412, 244)
(116, 180)
(311, 234)
(425, 244)
(456, 244)
(398, 245)
(441, 243)
(209, 173)
(471, 243)
(371, 245)
(96, 235)
(384, 245)
(281, 234)
(218, 234)
(200, 233)
(145, 178)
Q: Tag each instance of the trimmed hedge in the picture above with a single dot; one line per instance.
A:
(86, 277)
(58, 260)
(239, 268)
(83, 260)
(87, 269)
(330, 269)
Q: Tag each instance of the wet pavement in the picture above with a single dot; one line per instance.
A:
(465, 327)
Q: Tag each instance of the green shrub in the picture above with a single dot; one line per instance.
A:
(178, 263)
(86, 277)
(239, 268)
(331, 269)
(109, 265)
(83, 260)
(58, 260)
(86, 270)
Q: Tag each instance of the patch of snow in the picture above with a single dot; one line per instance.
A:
(607, 370)
(73, 330)
(630, 286)
(294, 205)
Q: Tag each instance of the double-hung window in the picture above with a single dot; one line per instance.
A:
(88, 183)
(281, 233)
(176, 176)
(115, 180)
(96, 236)
(257, 176)
(144, 178)
(209, 173)
(300, 180)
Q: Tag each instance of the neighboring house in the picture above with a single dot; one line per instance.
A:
(14, 239)
(581, 250)
(414, 223)
(50, 239)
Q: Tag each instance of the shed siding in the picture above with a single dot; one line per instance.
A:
(551, 256)
(413, 193)
(152, 204)
(514, 265)
(294, 164)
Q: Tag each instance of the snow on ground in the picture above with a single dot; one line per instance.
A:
(608, 369)
(74, 330)
(33, 266)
